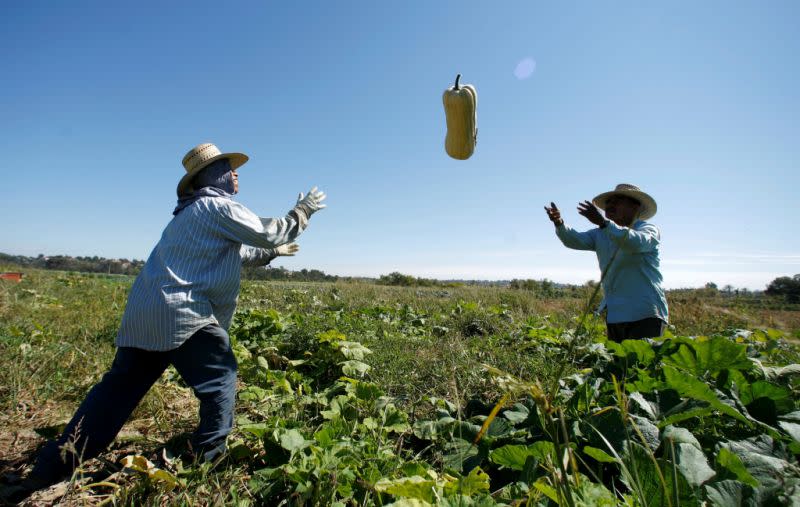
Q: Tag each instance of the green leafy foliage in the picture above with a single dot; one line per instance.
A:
(381, 401)
(691, 387)
(730, 465)
(711, 384)
(708, 357)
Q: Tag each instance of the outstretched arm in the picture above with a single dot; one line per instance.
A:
(253, 256)
(569, 236)
(642, 238)
(241, 225)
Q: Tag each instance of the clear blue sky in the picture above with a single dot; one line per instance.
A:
(696, 102)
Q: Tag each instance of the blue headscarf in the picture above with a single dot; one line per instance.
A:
(214, 180)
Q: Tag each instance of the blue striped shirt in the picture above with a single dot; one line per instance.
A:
(191, 278)
(632, 286)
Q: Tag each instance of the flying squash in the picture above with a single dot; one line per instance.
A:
(460, 109)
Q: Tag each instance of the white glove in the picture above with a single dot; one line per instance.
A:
(289, 249)
(311, 202)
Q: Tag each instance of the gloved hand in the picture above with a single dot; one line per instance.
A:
(311, 202)
(289, 249)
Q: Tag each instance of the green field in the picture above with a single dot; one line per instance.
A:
(361, 394)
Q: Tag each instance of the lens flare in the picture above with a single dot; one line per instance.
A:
(525, 68)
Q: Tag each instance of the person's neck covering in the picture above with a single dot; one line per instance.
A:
(214, 180)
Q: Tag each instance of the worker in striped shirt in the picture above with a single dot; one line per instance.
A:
(179, 310)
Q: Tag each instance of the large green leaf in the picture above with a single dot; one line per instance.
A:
(332, 336)
(476, 481)
(431, 430)
(645, 430)
(517, 414)
(516, 456)
(789, 493)
(353, 350)
(763, 459)
(692, 464)
(511, 456)
(340, 406)
(257, 429)
(394, 420)
(793, 429)
(416, 468)
(292, 440)
(325, 436)
(765, 400)
(466, 501)
(498, 427)
(691, 387)
(591, 494)
(683, 415)
(731, 465)
(679, 436)
(645, 480)
(764, 389)
(643, 383)
(778, 372)
(542, 450)
(793, 417)
(547, 490)
(461, 453)
(466, 430)
(644, 406)
(368, 391)
(711, 356)
(409, 502)
(729, 493)
(634, 351)
(353, 368)
(253, 393)
(415, 487)
(607, 427)
(599, 455)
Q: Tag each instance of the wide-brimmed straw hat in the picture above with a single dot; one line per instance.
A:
(201, 156)
(648, 204)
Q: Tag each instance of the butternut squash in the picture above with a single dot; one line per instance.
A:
(460, 109)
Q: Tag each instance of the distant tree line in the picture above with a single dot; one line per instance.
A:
(788, 287)
(93, 264)
(781, 290)
(133, 267)
(281, 273)
(400, 280)
(548, 289)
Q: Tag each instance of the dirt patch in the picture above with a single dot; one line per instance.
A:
(168, 413)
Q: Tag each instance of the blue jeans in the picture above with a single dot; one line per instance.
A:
(205, 361)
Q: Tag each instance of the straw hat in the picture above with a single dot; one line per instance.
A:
(648, 204)
(201, 156)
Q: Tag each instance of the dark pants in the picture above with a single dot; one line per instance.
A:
(206, 363)
(645, 328)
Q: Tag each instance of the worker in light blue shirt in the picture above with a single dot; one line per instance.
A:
(627, 250)
(179, 310)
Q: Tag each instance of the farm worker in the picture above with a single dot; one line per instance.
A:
(634, 301)
(179, 310)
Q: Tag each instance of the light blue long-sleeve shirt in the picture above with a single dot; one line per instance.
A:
(632, 285)
(191, 278)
